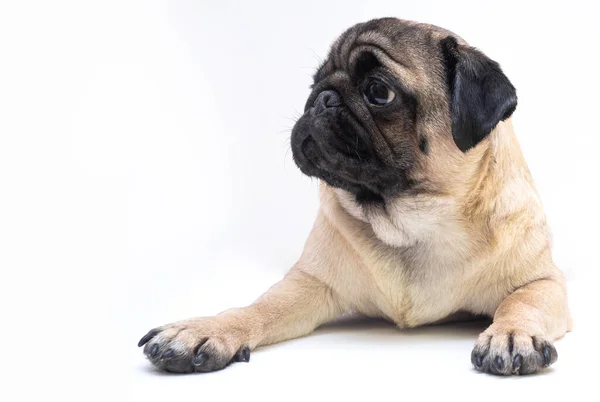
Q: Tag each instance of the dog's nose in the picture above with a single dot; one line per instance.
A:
(326, 99)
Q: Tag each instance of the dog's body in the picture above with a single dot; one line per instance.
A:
(436, 214)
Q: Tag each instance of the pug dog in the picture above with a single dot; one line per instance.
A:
(427, 209)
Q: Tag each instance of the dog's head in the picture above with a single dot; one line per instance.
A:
(390, 98)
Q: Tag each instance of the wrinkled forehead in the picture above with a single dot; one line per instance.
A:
(410, 50)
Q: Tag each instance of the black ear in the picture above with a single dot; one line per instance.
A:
(480, 94)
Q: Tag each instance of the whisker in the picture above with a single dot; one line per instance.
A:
(297, 114)
(316, 55)
(287, 151)
(286, 130)
(359, 158)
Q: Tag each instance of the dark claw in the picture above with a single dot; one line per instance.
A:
(154, 350)
(151, 334)
(518, 360)
(478, 361)
(199, 359)
(168, 354)
(499, 363)
(243, 355)
(547, 355)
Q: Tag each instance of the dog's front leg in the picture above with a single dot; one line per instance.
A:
(291, 308)
(519, 341)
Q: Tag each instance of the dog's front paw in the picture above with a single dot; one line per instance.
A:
(202, 344)
(505, 350)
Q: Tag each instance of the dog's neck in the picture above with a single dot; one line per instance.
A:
(485, 179)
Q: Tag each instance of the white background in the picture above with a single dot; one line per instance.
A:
(145, 177)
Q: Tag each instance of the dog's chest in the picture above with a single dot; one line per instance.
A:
(420, 285)
(421, 267)
(415, 253)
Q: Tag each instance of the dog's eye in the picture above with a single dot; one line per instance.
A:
(378, 94)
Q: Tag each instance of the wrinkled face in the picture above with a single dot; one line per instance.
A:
(382, 98)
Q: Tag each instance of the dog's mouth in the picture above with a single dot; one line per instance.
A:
(310, 150)
(313, 162)
(321, 149)
(341, 166)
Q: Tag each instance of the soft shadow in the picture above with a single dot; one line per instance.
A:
(359, 328)
(149, 368)
(546, 371)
